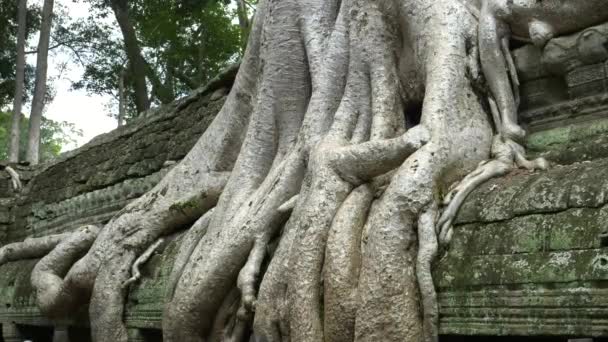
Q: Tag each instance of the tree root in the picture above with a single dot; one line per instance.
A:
(507, 155)
(289, 205)
(135, 270)
(312, 133)
(15, 179)
(427, 252)
(342, 265)
(54, 297)
(188, 244)
(247, 281)
(30, 248)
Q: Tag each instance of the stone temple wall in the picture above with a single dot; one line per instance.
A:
(529, 256)
(90, 185)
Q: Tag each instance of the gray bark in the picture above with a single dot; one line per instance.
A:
(310, 153)
(137, 62)
(15, 133)
(33, 137)
(121, 98)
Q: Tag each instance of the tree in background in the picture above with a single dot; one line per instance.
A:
(15, 131)
(54, 136)
(16, 77)
(8, 53)
(183, 44)
(33, 145)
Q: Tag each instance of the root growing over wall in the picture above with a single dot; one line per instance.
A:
(313, 200)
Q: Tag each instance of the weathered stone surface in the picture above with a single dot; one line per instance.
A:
(89, 185)
(536, 264)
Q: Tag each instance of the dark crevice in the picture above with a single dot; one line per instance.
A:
(413, 114)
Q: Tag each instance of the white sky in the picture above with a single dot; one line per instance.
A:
(87, 113)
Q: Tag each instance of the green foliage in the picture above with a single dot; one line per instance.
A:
(184, 42)
(8, 50)
(53, 136)
(189, 46)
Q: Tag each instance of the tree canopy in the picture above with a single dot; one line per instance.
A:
(8, 53)
(184, 44)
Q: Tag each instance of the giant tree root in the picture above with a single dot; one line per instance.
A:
(508, 155)
(30, 248)
(54, 297)
(312, 152)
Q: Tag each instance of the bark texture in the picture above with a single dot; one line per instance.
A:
(137, 63)
(314, 200)
(33, 137)
(15, 134)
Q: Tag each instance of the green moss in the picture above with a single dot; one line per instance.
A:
(184, 206)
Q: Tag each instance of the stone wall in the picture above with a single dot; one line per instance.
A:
(89, 185)
(529, 254)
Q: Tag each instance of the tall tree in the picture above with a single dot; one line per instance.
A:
(183, 45)
(137, 63)
(15, 132)
(241, 10)
(121, 98)
(33, 145)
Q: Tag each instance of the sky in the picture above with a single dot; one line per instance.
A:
(87, 113)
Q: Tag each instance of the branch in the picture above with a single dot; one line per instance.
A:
(57, 45)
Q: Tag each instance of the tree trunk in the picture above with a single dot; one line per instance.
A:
(137, 63)
(241, 10)
(121, 98)
(33, 139)
(311, 153)
(15, 135)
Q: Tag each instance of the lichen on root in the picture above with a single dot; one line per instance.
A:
(312, 200)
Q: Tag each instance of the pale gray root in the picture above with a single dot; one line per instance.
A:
(231, 320)
(495, 63)
(316, 112)
(187, 246)
(427, 252)
(132, 227)
(271, 316)
(289, 205)
(389, 306)
(268, 173)
(506, 51)
(334, 168)
(108, 296)
(141, 260)
(507, 155)
(15, 179)
(342, 266)
(248, 278)
(530, 21)
(54, 297)
(30, 248)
